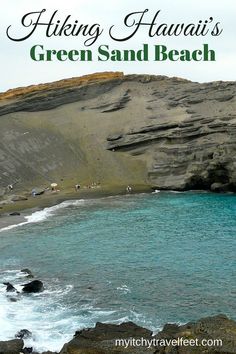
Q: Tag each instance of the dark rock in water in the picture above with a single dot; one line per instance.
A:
(27, 350)
(34, 286)
(14, 346)
(28, 272)
(48, 352)
(101, 339)
(23, 334)
(15, 213)
(10, 287)
(13, 299)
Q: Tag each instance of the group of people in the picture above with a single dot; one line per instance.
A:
(89, 186)
(77, 188)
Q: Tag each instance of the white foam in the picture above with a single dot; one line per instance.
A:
(43, 314)
(156, 191)
(51, 322)
(44, 214)
(124, 289)
(177, 192)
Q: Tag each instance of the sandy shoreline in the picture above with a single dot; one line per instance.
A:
(27, 207)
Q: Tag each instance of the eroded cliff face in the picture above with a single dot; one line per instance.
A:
(164, 132)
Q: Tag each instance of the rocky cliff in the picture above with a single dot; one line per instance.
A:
(167, 133)
(211, 335)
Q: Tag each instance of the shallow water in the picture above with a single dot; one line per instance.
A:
(151, 259)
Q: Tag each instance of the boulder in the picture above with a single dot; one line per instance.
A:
(34, 286)
(14, 346)
(14, 213)
(27, 350)
(27, 272)
(48, 352)
(10, 287)
(23, 334)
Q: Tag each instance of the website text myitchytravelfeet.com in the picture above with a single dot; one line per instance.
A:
(174, 342)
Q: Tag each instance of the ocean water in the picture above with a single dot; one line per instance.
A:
(147, 258)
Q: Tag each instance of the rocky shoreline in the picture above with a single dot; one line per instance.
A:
(210, 335)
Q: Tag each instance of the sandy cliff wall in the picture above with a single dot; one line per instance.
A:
(138, 129)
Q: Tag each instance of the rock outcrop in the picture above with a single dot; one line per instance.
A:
(35, 286)
(212, 335)
(167, 133)
(11, 347)
(23, 334)
(9, 287)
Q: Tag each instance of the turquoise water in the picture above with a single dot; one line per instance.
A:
(152, 259)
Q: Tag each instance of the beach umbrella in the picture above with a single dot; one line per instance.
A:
(53, 185)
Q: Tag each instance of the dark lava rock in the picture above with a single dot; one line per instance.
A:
(23, 334)
(48, 352)
(27, 350)
(34, 286)
(101, 339)
(210, 328)
(14, 213)
(27, 272)
(14, 346)
(102, 330)
(10, 287)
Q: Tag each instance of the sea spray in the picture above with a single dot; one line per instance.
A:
(150, 259)
(42, 215)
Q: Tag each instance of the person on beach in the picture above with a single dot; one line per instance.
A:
(128, 189)
(77, 187)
